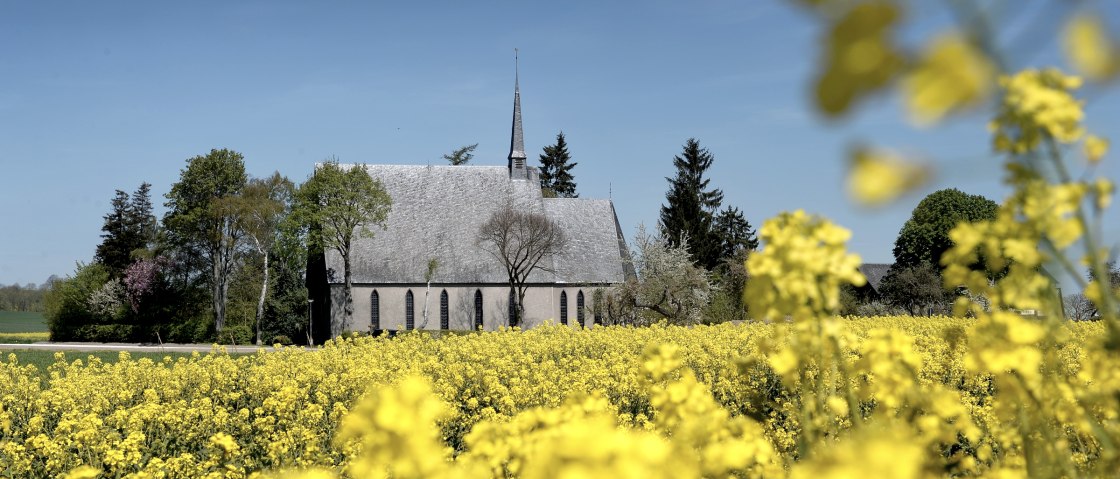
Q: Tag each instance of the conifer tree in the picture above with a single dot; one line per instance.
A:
(556, 176)
(734, 232)
(690, 206)
(128, 228)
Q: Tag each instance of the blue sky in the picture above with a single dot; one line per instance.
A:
(99, 96)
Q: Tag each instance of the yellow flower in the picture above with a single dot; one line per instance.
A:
(952, 74)
(1095, 148)
(800, 268)
(860, 56)
(876, 178)
(83, 472)
(1037, 104)
(1089, 48)
(1103, 189)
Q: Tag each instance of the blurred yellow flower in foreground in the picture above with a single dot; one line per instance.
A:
(876, 178)
(1095, 148)
(951, 74)
(1089, 48)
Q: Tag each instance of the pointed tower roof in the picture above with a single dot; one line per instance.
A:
(517, 140)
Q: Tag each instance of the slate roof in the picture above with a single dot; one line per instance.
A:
(438, 210)
(874, 273)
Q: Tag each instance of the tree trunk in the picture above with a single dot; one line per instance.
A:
(520, 306)
(347, 297)
(260, 302)
(218, 287)
(427, 290)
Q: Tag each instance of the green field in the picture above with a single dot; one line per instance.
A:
(43, 359)
(22, 322)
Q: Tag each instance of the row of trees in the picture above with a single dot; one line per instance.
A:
(227, 261)
(26, 298)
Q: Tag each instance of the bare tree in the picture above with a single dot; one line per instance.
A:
(520, 241)
(1079, 307)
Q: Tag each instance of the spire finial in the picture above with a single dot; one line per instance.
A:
(517, 140)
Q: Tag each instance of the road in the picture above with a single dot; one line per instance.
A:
(132, 347)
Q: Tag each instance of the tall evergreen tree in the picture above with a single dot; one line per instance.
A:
(129, 228)
(115, 250)
(142, 216)
(734, 232)
(556, 171)
(690, 206)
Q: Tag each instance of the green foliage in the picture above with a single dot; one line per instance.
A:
(202, 223)
(556, 170)
(734, 232)
(687, 216)
(723, 306)
(461, 155)
(235, 334)
(925, 236)
(916, 289)
(67, 303)
(336, 203)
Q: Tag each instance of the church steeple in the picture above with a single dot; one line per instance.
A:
(517, 141)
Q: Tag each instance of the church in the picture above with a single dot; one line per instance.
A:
(437, 214)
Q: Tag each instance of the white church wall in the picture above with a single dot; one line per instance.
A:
(542, 303)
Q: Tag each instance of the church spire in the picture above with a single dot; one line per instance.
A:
(517, 141)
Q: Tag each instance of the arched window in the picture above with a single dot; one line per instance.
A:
(477, 308)
(409, 317)
(512, 308)
(443, 316)
(374, 311)
(579, 308)
(563, 308)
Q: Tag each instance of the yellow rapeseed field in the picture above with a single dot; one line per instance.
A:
(610, 402)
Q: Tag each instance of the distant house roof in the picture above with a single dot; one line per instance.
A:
(874, 272)
(437, 213)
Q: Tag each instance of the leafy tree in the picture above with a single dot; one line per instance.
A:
(730, 278)
(260, 209)
(461, 156)
(925, 236)
(335, 205)
(556, 171)
(201, 221)
(668, 284)
(915, 288)
(734, 232)
(687, 216)
(67, 304)
(520, 241)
